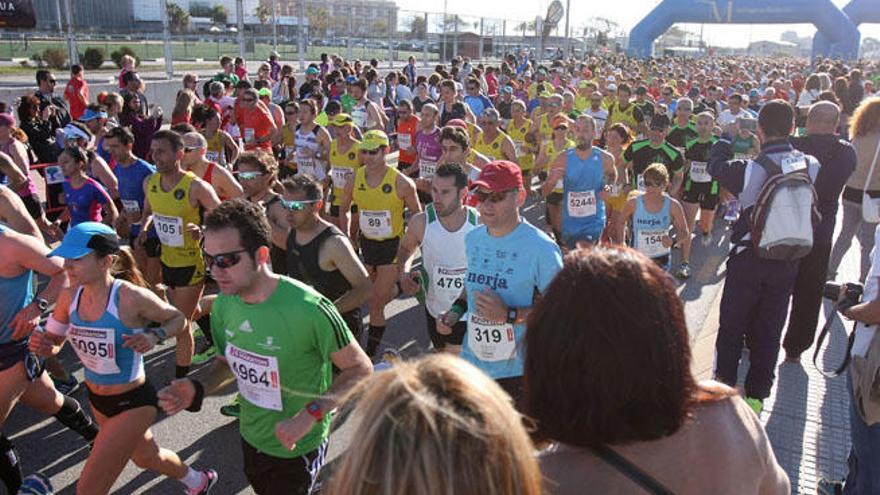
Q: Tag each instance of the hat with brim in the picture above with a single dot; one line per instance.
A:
(499, 176)
(85, 238)
(341, 119)
(374, 140)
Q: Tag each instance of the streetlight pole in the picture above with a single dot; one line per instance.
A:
(275, 25)
(71, 39)
(239, 13)
(567, 35)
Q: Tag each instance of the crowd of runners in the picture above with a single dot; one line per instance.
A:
(267, 226)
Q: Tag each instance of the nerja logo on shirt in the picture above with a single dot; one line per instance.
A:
(492, 281)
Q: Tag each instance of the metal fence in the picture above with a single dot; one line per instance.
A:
(299, 31)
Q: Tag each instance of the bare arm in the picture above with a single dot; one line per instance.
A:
(347, 262)
(412, 238)
(204, 195)
(227, 185)
(557, 172)
(15, 214)
(105, 176)
(406, 190)
(231, 147)
(681, 228)
(508, 150)
(31, 254)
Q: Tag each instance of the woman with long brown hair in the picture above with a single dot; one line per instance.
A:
(435, 426)
(607, 384)
(865, 138)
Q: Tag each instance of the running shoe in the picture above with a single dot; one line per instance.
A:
(197, 330)
(211, 479)
(706, 239)
(829, 487)
(36, 484)
(757, 405)
(684, 271)
(205, 356)
(66, 387)
(233, 409)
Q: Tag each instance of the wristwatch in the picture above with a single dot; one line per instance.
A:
(41, 303)
(159, 332)
(511, 316)
(315, 410)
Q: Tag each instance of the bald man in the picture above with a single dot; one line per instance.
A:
(838, 160)
(194, 148)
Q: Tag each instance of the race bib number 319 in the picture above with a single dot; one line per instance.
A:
(491, 341)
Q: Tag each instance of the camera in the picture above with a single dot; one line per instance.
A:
(846, 295)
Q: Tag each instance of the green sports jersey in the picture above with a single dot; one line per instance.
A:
(279, 351)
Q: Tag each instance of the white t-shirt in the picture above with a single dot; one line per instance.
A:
(864, 333)
(726, 118)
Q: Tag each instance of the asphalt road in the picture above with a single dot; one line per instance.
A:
(208, 439)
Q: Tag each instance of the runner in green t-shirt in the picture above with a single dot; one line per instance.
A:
(280, 339)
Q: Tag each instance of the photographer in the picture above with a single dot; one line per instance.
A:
(863, 381)
(838, 160)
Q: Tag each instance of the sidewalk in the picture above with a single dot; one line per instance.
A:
(806, 415)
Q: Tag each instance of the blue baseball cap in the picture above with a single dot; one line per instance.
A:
(312, 70)
(85, 238)
(91, 114)
(351, 79)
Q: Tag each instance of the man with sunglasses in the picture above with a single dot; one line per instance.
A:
(194, 148)
(474, 98)
(280, 340)
(174, 202)
(58, 116)
(254, 121)
(321, 255)
(493, 142)
(655, 149)
(440, 232)
(381, 193)
(596, 110)
(584, 171)
(683, 129)
(508, 262)
(345, 159)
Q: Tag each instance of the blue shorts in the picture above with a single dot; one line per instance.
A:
(13, 353)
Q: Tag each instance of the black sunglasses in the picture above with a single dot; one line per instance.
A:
(248, 100)
(223, 260)
(491, 196)
(372, 152)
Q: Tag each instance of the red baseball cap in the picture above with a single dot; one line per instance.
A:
(457, 123)
(499, 176)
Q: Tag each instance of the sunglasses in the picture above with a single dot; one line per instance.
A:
(492, 197)
(651, 183)
(223, 260)
(248, 100)
(249, 175)
(52, 81)
(372, 152)
(297, 205)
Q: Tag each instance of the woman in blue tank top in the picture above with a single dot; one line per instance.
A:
(22, 377)
(103, 318)
(653, 213)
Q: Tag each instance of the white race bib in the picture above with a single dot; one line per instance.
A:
(341, 176)
(404, 141)
(95, 347)
(257, 376)
(427, 168)
(306, 166)
(640, 182)
(446, 284)
(699, 172)
(491, 341)
(581, 204)
(376, 224)
(212, 156)
(248, 134)
(169, 229)
(614, 189)
(290, 153)
(650, 242)
(131, 206)
(54, 175)
(793, 162)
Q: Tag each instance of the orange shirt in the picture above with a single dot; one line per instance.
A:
(406, 139)
(77, 95)
(255, 123)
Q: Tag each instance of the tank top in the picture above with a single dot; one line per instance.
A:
(98, 344)
(15, 293)
(172, 212)
(288, 146)
(430, 151)
(582, 211)
(552, 152)
(544, 128)
(342, 167)
(626, 116)
(493, 149)
(444, 260)
(30, 188)
(303, 264)
(215, 152)
(524, 153)
(381, 210)
(308, 140)
(649, 228)
(360, 116)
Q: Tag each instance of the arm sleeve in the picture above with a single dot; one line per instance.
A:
(730, 174)
(331, 331)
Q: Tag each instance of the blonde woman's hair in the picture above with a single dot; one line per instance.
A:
(185, 102)
(655, 172)
(866, 118)
(435, 426)
(125, 268)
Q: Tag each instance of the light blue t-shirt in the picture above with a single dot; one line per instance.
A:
(514, 266)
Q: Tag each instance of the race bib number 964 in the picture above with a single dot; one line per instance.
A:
(257, 377)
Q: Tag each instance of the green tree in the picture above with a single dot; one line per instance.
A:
(418, 28)
(177, 18)
(319, 19)
(264, 13)
(219, 14)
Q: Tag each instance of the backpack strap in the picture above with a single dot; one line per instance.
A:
(819, 341)
(770, 167)
(630, 470)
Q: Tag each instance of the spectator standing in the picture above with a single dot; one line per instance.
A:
(77, 92)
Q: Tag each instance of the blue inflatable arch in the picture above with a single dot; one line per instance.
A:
(859, 12)
(828, 19)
